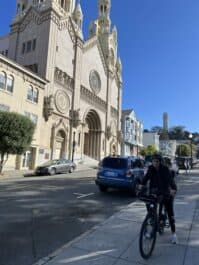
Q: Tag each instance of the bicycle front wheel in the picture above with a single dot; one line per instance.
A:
(147, 236)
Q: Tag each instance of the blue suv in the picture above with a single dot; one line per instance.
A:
(119, 172)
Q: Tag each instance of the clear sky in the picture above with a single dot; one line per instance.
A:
(158, 42)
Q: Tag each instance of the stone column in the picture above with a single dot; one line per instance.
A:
(53, 142)
(77, 83)
(108, 100)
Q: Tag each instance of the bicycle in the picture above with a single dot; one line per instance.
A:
(152, 224)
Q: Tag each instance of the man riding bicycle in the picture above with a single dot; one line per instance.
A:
(160, 179)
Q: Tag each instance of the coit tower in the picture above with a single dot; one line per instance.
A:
(165, 121)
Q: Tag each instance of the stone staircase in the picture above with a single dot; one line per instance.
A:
(87, 162)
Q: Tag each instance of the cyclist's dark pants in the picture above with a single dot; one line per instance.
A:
(168, 204)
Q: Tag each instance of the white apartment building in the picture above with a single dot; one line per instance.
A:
(151, 138)
(132, 130)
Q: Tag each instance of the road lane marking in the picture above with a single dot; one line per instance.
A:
(81, 195)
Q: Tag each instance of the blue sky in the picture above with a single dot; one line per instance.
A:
(158, 42)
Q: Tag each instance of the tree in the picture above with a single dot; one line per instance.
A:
(16, 132)
(157, 129)
(149, 150)
(183, 150)
(177, 133)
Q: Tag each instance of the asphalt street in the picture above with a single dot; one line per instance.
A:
(40, 214)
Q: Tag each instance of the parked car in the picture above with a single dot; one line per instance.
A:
(119, 172)
(56, 166)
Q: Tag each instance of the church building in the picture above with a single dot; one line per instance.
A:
(80, 79)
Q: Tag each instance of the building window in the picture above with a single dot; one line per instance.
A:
(62, 3)
(29, 95)
(32, 117)
(34, 42)
(2, 80)
(10, 84)
(35, 95)
(32, 94)
(23, 47)
(4, 107)
(29, 46)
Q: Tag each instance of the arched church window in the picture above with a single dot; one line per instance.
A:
(23, 7)
(2, 80)
(62, 3)
(101, 8)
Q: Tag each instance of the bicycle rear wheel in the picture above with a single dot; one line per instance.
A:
(148, 236)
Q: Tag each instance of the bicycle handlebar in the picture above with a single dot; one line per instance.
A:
(151, 198)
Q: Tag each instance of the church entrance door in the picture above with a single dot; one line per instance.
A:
(60, 145)
(92, 138)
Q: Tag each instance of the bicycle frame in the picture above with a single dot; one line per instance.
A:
(151, 225)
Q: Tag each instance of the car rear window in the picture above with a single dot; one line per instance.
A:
(117, 163)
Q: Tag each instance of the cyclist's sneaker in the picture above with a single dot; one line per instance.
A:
(174, 239)
(147, 235)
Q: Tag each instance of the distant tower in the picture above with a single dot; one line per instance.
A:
(165, 131)
(165, 122)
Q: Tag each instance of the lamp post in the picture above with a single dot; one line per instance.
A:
(190, 137)
(73, 146)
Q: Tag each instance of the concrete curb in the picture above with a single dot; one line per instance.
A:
(13, 175)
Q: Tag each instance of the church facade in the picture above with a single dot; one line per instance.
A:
(81, 108)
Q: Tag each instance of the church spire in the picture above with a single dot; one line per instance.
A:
(104, 8)
(78, 15)
(104, 22)
(78, 19)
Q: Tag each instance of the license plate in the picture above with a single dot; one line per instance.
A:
(111, 174)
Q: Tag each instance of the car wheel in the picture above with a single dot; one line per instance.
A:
(52, 171)
(102, 188)
(71, 170)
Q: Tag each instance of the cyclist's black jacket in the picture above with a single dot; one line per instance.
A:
(160, 179)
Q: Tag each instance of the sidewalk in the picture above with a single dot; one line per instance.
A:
(13, 174)
(115, 241)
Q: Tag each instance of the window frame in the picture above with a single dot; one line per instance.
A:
(10, 77)
(5, 80)
(32, 94)
(34, 44)
(23, 50)
(29, 46)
